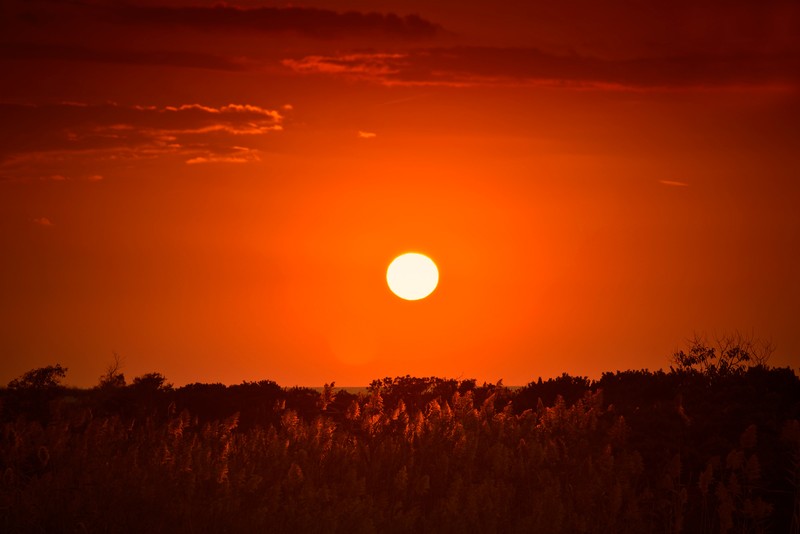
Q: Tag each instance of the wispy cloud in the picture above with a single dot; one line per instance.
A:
(37, 138)
(469, 66)
(378, 66)
(43, 221)
(237, 155)
(366, 135)
(673, 183)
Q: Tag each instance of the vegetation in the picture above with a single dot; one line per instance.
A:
(688, 450)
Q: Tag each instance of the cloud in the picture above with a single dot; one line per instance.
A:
(368, 65)
(469, 66)
(237, 155)
(168, 58)
(366, 135)
(317, 23)
(92, 139)
(43, 221)
(673, 183)
(222, 37)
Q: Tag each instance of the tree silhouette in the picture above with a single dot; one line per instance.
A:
(732, 354)
(113, 377)
(43, 378)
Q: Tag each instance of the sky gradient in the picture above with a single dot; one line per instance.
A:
(214, 191)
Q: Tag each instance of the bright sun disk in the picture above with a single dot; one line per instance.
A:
(412, 276)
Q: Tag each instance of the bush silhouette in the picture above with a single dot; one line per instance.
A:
(636, 451)
(43, 378)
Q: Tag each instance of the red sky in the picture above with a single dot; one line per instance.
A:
(214, 191)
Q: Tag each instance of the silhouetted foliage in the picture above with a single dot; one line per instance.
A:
(636, 451)
(43, 378)
(113, 377)
(34, 391)
(417, 391)
(732, 354)
(151, 382)
(569, 388)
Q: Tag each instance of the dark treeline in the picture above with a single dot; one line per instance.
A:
(700, 448)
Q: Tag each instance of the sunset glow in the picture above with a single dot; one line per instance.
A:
(215, 190)
(403, 266)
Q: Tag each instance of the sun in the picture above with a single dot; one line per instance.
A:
(412, 276)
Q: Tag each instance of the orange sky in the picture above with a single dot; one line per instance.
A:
(215, 191)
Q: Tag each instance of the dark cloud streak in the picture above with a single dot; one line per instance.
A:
(39, 51)
(319, 23)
